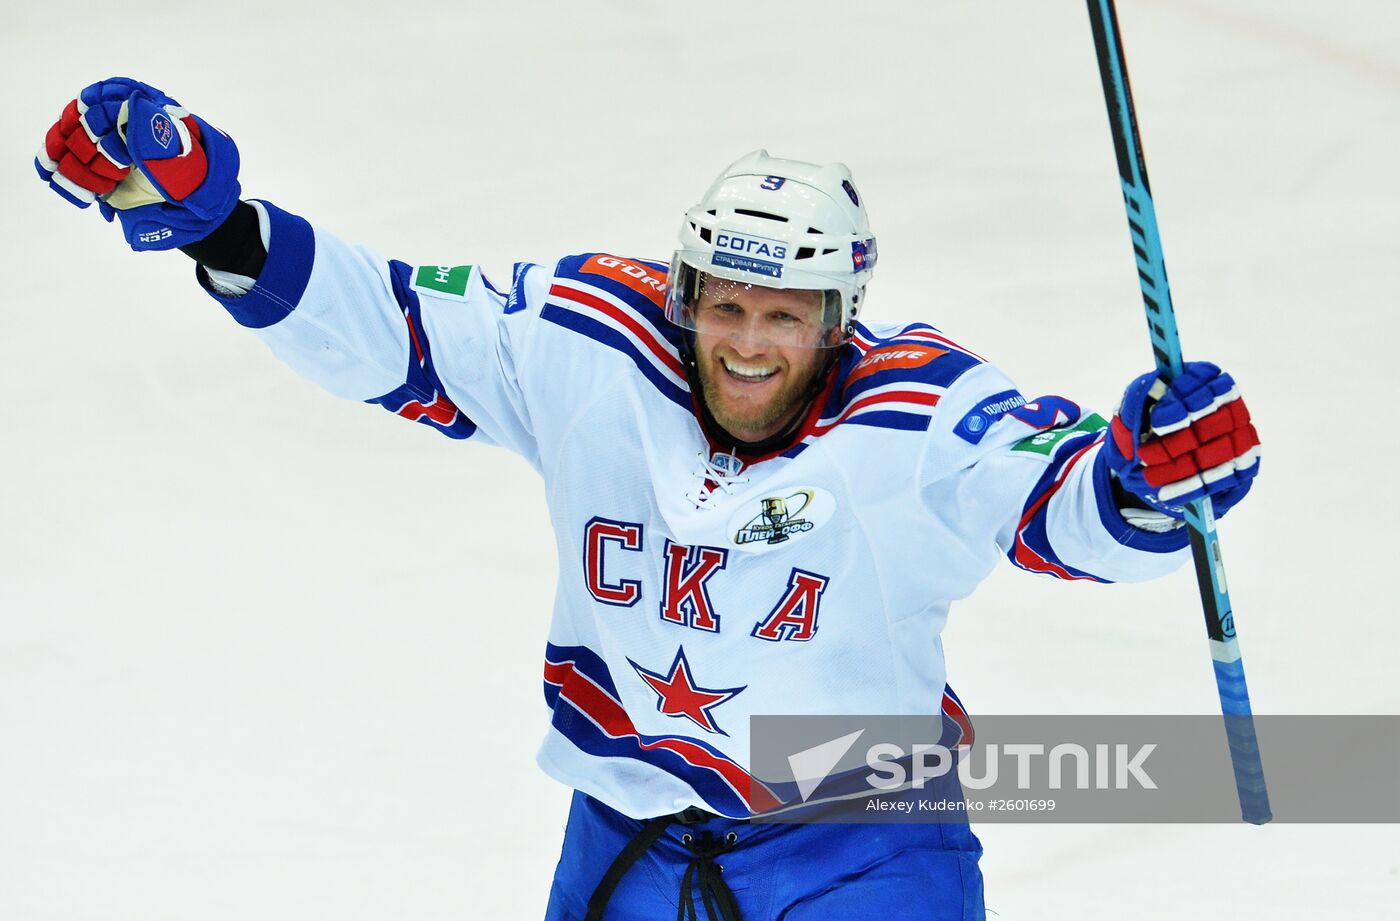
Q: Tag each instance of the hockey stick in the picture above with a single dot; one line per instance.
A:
(1161, 322)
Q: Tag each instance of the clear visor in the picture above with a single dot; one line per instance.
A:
(721, 308)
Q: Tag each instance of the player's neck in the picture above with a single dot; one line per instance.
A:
(803, 419)
(742, 447)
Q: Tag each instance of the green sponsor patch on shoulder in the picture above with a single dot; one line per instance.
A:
(443, 279)
(1045, 442)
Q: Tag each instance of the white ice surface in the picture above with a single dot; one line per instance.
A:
(268, 655)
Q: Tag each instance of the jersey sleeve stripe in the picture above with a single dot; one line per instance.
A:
(422, 398)
(1031, 548)
(954, 713)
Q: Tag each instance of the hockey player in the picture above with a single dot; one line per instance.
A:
(762, 504)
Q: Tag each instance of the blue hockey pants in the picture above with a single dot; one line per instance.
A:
(714, 869)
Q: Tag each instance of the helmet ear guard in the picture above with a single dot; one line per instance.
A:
(777, 224)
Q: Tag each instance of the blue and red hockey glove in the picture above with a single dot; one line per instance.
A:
(169, 176)
(1172, 443)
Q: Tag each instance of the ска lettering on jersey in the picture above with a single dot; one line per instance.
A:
(687, 573)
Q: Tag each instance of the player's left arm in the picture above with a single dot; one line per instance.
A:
(1083, 498)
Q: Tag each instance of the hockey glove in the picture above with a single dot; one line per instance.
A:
(1173, 443)
(169, 176)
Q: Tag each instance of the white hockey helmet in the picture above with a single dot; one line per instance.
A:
(779, 224)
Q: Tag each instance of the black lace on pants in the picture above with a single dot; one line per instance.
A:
(702, 873)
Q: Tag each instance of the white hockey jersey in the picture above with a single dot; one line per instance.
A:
(696, 588)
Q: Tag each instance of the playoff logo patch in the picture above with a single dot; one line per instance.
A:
(774, 520)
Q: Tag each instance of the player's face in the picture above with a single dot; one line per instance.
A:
(757, 351)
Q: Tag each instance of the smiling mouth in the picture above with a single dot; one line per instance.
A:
(748, 375)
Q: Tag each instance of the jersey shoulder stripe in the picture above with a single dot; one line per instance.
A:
(915, 354)
(889, 377)
(639, 282)
(868, 336)
(617, 302)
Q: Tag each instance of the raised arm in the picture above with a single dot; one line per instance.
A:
(1074, 496)
(435, 344)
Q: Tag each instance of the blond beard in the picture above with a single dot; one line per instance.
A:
(787, 403)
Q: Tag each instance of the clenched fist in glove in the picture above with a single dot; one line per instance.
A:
(169, 176)
(1172, 443)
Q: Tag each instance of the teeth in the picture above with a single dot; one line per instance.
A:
(749, 374)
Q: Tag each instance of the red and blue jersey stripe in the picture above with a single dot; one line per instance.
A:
(588, 711)
(422, 397)
(591, 295)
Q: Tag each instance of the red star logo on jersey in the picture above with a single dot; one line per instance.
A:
(677, 694)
